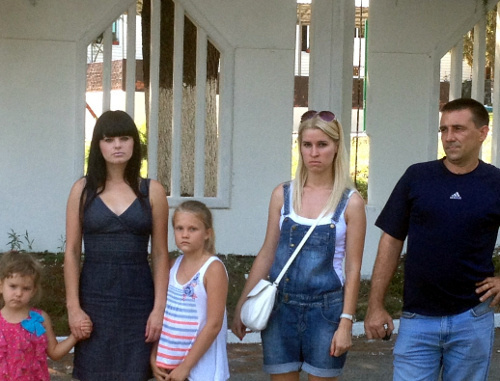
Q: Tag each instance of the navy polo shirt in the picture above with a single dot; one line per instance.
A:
(451, 222)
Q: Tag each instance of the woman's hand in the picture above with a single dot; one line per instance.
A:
(154, 326)
(342, 339)
(80, 323)
(237, 327)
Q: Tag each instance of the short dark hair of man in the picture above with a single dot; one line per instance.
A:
(480, 115)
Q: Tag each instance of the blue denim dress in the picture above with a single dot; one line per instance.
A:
(116, 291)
(307, 310)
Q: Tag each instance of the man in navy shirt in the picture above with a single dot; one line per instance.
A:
(449, 210)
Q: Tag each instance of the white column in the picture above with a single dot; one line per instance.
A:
(130, 80)
(154, 89)
(495, 136)
(479, 61)
(177, 94)
(107, 56)
(330, 67)
(457, 56)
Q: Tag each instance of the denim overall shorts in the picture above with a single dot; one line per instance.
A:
(310, 299)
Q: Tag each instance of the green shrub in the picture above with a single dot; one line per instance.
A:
(53, 290)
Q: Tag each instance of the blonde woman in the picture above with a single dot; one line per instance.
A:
(310, 326)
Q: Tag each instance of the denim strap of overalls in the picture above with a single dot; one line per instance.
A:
(286, 195)
(299, 246)
(338, 210)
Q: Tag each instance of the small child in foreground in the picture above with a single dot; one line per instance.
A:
(26, 333)
(192, 344)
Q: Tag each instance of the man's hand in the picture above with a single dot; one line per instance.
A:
(489, 287)
(378, 323)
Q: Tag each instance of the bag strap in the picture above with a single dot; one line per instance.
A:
(297, 249)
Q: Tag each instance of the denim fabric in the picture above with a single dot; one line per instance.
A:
(312, 270)
(457, 346)
(309, 303)
(117, 292)
(300, 332)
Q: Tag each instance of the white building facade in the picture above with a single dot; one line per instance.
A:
(43, 60)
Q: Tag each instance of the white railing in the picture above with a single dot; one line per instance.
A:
(205, 33)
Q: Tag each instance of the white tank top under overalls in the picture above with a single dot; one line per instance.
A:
(341, 227)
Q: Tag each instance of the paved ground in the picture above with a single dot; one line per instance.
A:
(367, 361)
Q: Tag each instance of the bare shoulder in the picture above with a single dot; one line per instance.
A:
(76, 190)
(217, 266)
(155, 187)
(217, 271)
(356, 201)
(277, 196)
(355, 206)
(279, 189)
(157, 194)
(79, 185)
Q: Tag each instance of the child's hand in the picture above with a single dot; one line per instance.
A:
(86, 327)
(180, 373)
(159, 373)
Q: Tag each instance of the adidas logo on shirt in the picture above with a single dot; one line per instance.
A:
(455, 196)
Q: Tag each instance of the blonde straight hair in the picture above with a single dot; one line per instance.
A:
(201, 211)
(340, 168)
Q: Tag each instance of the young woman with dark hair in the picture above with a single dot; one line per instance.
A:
(117, 213)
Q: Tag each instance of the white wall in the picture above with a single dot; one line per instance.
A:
(263, 35)
(261, 145)
(42, 108)
(403, 89)
(41, 112)
(42, 84)
(37, 138)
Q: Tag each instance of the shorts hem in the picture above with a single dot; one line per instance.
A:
(282, 368)
(297, 367)
(321, 372)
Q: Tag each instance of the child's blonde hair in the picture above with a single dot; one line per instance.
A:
(201, 211)
(23, 264)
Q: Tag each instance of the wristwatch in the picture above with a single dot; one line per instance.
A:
(347, 316)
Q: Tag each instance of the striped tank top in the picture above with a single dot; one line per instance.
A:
(184, 318)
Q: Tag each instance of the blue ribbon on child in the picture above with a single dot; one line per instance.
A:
(34, 324)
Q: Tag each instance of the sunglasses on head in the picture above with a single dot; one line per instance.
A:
(327, 116)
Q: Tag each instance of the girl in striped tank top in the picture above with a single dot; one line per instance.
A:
(192, 344)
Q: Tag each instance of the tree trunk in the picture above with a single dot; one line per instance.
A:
(188, 101)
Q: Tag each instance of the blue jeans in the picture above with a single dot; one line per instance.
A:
(457, 346)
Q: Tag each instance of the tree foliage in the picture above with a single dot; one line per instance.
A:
(490, 42)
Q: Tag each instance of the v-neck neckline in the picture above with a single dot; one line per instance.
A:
(111, 211)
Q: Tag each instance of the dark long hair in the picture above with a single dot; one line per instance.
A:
(111, 124)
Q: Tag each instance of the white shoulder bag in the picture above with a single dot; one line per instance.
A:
(257, 308)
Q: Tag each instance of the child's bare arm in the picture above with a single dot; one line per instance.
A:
(56, 350)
